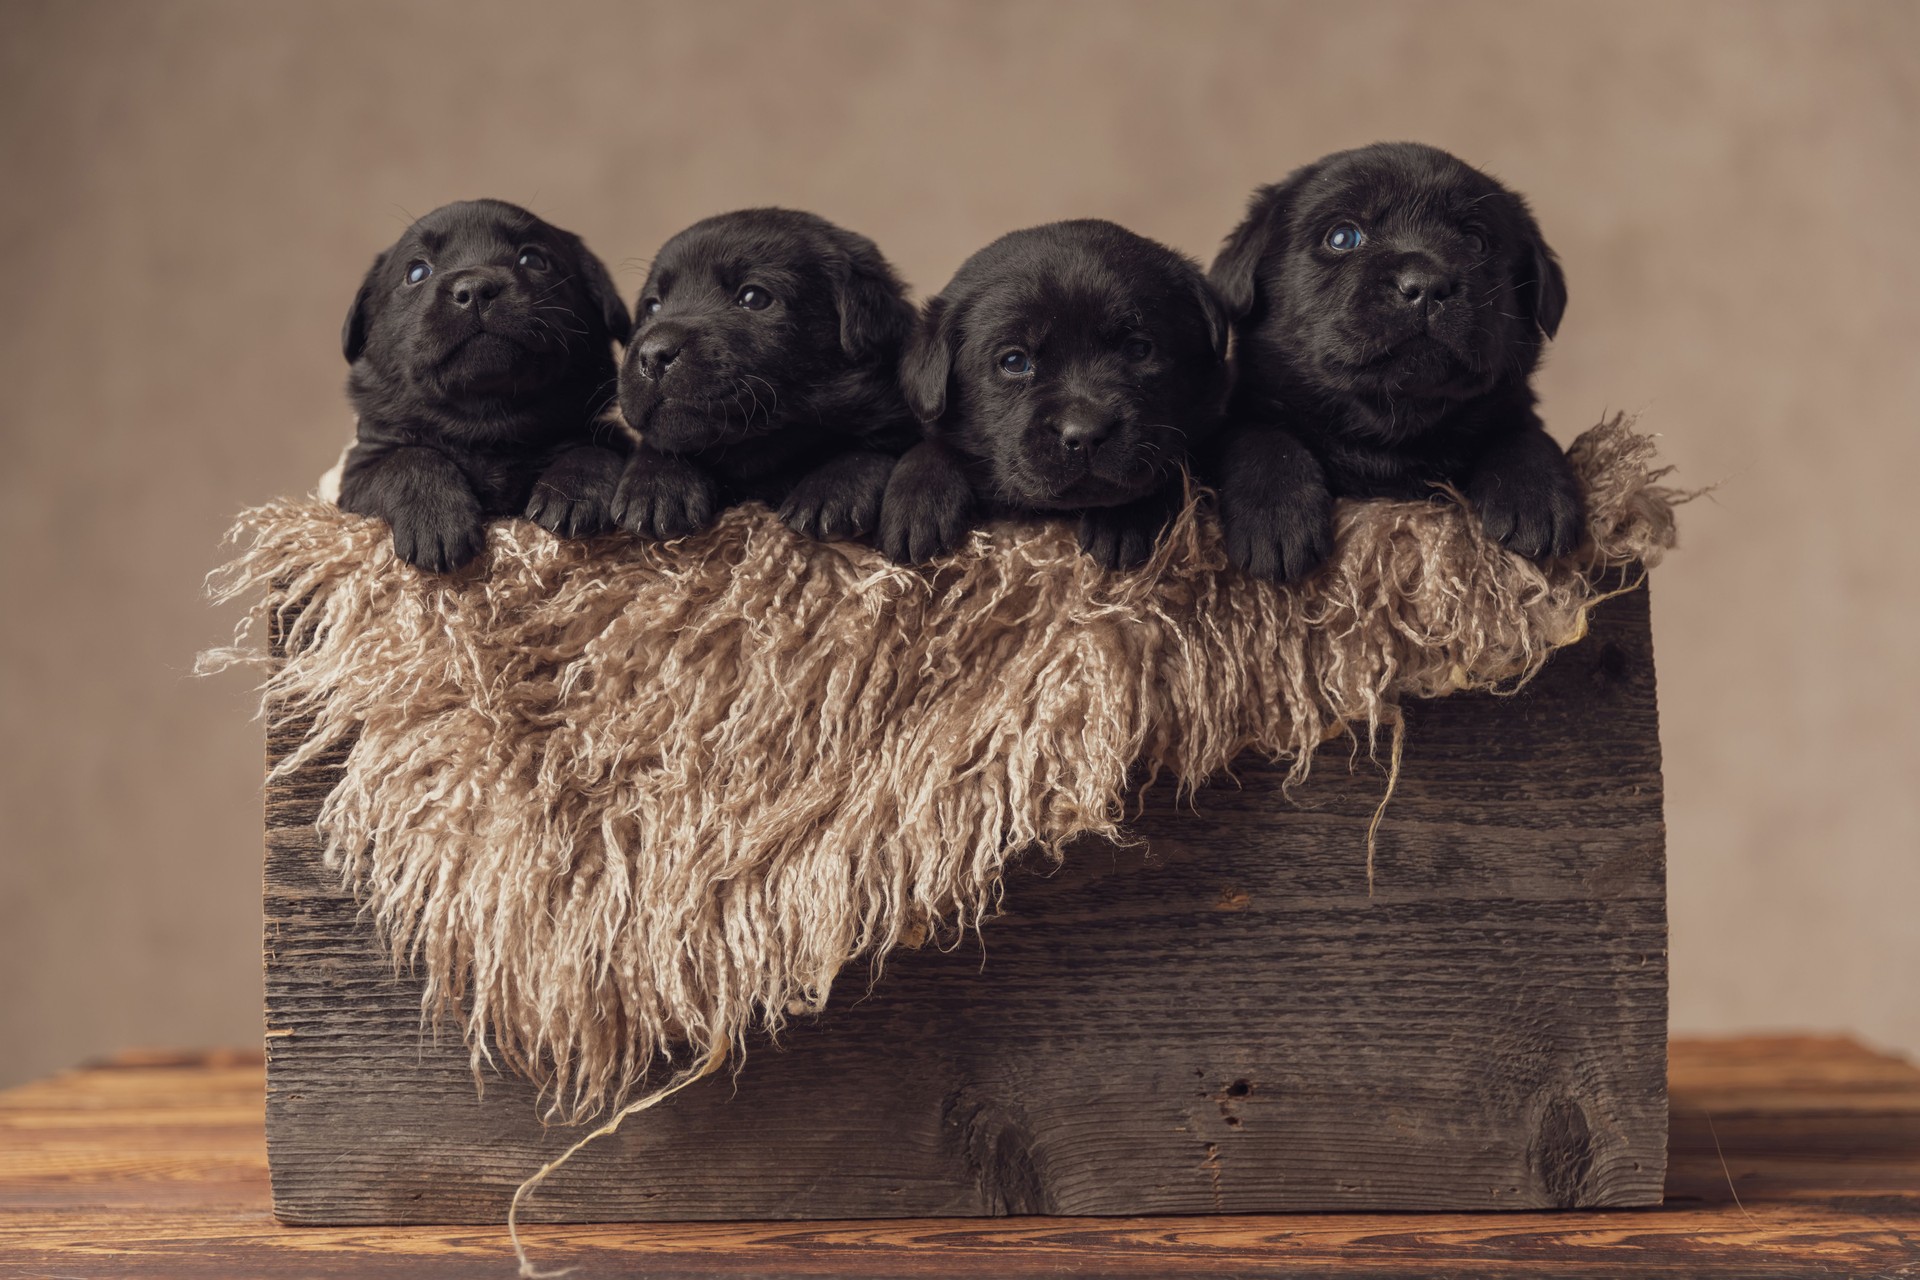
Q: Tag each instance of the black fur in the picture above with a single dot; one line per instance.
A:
(1125, 347)
(795, 403)
(479, 388)
(1389, 367)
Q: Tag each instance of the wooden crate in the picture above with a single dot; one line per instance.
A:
(1224, 1022)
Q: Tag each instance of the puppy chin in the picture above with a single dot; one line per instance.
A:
(486, 375)
(485, 349)
(1043, 488)
(679, 426)
(1420, 365)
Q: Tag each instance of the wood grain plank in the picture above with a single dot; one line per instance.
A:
(157, 1168)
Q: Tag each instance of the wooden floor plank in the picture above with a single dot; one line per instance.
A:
(156, 1167)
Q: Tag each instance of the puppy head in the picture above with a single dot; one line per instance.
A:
(745, 317)
(1078, 360)
(482, 301)
(1394, 271)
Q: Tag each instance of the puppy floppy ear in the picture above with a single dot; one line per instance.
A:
(1216, 315)
(875, 315)
(927, 365)
(1542, 286)
(1236, 271)
(1549, 289)
(353, 334)
(601, 289)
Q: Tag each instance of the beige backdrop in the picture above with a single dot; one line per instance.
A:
(190, 193)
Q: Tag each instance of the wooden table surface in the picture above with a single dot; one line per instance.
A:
(1790, 1157)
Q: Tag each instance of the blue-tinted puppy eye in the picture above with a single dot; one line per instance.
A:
(1016, 363)
(1345, 238)
(418, 271)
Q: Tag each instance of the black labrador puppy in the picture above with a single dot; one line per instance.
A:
(764, 365)
(1067, 368)
(481, 348)
(1390, 305)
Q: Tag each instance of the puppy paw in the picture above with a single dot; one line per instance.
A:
(1280, 541)
(442, 535)
(1276, 510)
(841, 500)
(664, 497)
(1122, 537)
(1532, 510)
(928, 526)
(573, 498)
(926, 513)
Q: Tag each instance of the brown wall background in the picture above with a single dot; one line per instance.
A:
(190, 191)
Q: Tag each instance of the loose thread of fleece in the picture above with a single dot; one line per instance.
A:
(525, 1189)
(1399, 726)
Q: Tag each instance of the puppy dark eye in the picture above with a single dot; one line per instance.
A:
(1136, 348)
(650, 306)
(1476, 239)
(1345, 238)
(533, 260)
(1016, 364)
(754, 298)
(418, 271)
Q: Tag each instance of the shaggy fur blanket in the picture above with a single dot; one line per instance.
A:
(621, 801)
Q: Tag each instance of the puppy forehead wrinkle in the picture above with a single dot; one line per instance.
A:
(767, 273)
(733, 260)
(487, 241)
(463, 214)
(1101, 311)
(474, 231)
(1070, 287)
(757, 235)
(1015, 313)
(1001, 299)
(1093, 290)
(731, 274)
(1046, 314)
(1421, 200)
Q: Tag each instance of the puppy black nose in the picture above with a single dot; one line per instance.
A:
(1082, 429)
(474, 289)
(1419, 285)
(659, 348)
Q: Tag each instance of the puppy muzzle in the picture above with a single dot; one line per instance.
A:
(474, 289)
(1082, 427)
(1084, 454)
(658, 350)
(1408, 333)
(691, 411)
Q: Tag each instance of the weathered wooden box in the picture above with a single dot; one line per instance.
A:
(1224, 1021)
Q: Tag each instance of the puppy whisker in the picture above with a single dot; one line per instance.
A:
(773, 394)
(745, 388)
(573, 325)
(546, 326)
(554, 286)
